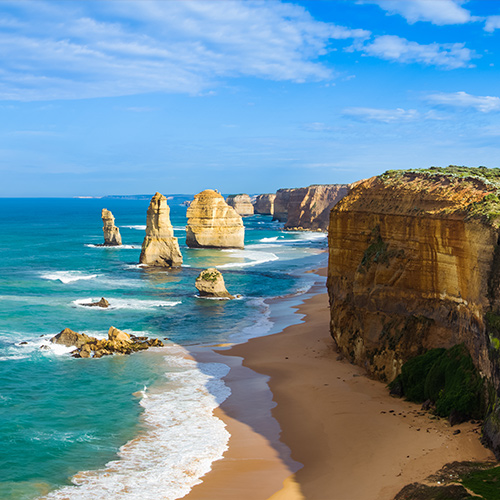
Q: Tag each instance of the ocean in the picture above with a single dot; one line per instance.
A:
(125, 427)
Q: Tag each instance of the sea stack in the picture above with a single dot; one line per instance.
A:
(264, 204)
(210, 283)
(241, 203)
(280, 211)
(212, 223)
(111, 232)
(160, 248)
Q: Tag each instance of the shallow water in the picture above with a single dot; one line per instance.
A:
(60, 416)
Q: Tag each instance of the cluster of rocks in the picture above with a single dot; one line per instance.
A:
(118, 342)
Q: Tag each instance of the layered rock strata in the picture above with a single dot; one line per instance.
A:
(414, 263)
(309, 208)
(210, 283)
(241, 203)
(118, 342)
(112, 235)
(160, 248)
(212, 223)
(264, 204)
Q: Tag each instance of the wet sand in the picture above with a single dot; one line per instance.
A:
(306, 425)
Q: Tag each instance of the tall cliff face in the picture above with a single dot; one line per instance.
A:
(264, 204)
(241, 203)
(414, 264)
(281, 204)
(112, 235)
(213, 223)
(309, 208)
(160, 247)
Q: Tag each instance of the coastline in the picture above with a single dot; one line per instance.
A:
(307, 425)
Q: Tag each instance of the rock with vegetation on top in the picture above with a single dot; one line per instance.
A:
(101, 303)
(414, 264)
(212, 223)
(111, 232)
(210, 283)
(264, 204)
(160, 248)
(241, 203)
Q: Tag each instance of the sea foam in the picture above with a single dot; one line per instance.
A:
(252, 258)
(67, 276)
(182, 440)
(126, 304)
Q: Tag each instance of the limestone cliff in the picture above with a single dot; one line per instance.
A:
(414, 264)
(264, 204)
(281, 200)
(160, 247)
(241, 203)
(309, 208)
(111, 232)
(213, 223)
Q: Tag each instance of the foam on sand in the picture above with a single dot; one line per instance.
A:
(182, 439)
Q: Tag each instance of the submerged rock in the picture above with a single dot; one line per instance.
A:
(212, 223)
(241, 203)
(210, 283)
(102, 303)
(160, 247)
(112, 235)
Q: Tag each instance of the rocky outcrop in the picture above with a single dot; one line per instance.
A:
(280, 211)
(101, 303)
(212, 223)
(415, 264)
(241, 203)
(309, 208)
(160, 248)
(118, 342)
(264, 204)
(210, 283)
(111, 232)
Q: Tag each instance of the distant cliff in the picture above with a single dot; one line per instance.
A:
(414, 264)
(280, 210)
(241, 203)
(264, 204)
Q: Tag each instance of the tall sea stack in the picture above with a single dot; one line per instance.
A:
(264, 204)
(160, 247)
(212, 223)
(241, 203)
(111, 232)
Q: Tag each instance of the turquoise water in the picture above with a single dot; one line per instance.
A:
(60, 416)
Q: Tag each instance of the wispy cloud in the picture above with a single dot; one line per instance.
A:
(395, 48)
(95, 49)
(485, 104)
(439, 12)
(381, 115)
(317, 127)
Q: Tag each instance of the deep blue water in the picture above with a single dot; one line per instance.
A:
(60, 415)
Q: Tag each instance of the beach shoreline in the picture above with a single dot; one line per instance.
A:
(305, 424)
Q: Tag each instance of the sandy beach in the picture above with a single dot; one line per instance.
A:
(305, 424)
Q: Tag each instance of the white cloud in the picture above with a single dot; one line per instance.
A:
(395, 48)
(439, 12)
(317, 127)
(382, 115)
(492, 23)
(484, 104)
(98, 48)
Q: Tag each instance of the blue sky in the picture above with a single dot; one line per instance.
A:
(122, 97)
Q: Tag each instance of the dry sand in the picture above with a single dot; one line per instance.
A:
(349, 439)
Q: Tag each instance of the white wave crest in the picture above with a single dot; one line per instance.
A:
(114, 247)
(138, 227)
(126, 304)
(251, 258)
(67, 276)
(182, 440)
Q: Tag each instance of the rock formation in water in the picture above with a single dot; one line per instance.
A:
(309, 208)
(212, 223)
(415, 264)
(241, 203)
(118, 342)
(210, 283)
(264, 204)
(101, 303)
(160, 248)
(280, 210)
(111, 232)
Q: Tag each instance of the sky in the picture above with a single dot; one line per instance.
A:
(136, 96)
